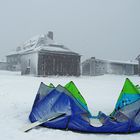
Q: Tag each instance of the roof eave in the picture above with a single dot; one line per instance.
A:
(59, 52)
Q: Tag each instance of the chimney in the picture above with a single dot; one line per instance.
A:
(50, 35)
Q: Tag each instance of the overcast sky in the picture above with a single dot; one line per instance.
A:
(108, 29)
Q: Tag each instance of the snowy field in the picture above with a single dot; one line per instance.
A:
(17, 94)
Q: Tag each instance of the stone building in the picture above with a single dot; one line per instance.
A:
(96, 67)
(41, 56)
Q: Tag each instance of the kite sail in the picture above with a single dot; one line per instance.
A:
(68, 100)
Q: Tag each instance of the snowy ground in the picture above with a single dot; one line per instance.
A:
(17, 94)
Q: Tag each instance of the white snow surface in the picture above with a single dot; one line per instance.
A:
(17, 94)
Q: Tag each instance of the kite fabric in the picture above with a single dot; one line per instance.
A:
(68, 100)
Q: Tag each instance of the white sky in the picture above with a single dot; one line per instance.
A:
(108, 29)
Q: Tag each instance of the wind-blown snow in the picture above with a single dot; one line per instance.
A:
(17, 94)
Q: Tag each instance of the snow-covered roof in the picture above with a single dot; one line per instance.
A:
(40, 43)
(123, 62)
(52, 48)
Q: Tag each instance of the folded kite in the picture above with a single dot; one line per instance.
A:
(72, 113)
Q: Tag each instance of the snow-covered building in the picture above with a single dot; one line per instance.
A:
(96, 67)
(3, 64)
(41, 56)
(13, 61)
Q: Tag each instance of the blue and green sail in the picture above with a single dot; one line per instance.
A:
(70, 87)
(129, 94)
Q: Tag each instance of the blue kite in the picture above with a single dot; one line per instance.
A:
(65, 108)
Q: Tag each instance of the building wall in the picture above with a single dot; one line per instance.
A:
(129, 69)
(116, 69)
(3, 65)
(58, 64)
(94, 67)
(101, 67)
(123, 69)
(29, 63)
(136, 69)
(13, 62)
(86, 68)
